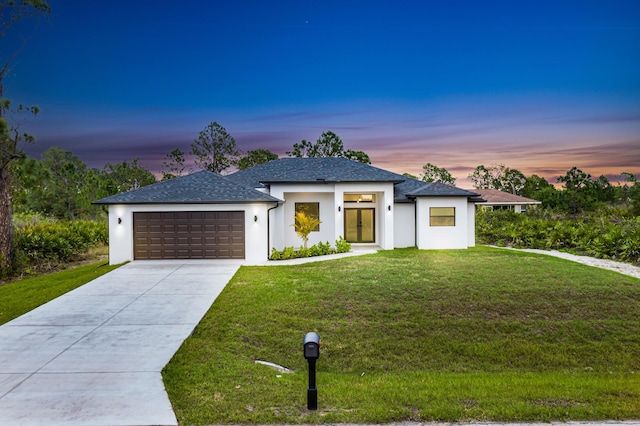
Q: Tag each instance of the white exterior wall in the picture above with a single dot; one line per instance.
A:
(121, 235)
(327, 227)
(330, 196)
(442, 237)
(282, 232)
(384, 223)
(404, 222)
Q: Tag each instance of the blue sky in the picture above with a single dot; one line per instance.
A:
(541, 86)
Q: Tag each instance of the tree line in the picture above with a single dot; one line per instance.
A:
(579, 192)
(62, 186)
(215, 150)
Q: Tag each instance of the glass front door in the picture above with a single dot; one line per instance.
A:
(359, 225)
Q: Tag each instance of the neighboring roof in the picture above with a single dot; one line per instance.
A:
(494, 196)
(202, 187)
(313, 170)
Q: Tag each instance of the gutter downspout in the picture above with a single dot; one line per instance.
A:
(269, 230)
(415, 212)
(415, 222)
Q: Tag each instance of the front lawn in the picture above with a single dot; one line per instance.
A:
(480, 334)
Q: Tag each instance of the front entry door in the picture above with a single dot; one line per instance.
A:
(359, 225)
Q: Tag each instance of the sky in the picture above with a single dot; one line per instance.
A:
(540, 86)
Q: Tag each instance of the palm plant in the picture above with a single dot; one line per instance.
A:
(304, 225)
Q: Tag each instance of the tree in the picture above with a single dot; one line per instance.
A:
(576, 185)
(174, 163)
(409, 175)
(28, 178)
(124, 177)
(632, 192)
(328, 145)
(304, 225)
(538, 188)
(513, 181)
(359, 156)
(11, 12)
(52, 186)
(215, 149)
(433, 173)
(481, 178)
(61, 192)
(602, 190)
(500, 177)
(255, 158)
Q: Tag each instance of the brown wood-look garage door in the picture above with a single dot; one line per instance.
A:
(188, 235)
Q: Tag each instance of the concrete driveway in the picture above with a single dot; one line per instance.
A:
(93, 356)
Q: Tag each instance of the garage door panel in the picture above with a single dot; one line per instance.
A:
(196, 228)
(189, 235)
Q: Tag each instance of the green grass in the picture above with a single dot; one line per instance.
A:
(481, 334)
(22, 296)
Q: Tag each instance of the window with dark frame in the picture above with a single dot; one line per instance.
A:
(442, 216)
(311, 210)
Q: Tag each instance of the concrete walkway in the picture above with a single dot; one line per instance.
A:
(94, 355)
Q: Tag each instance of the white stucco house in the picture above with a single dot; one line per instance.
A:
(246, 214)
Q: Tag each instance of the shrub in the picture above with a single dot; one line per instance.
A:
(604, 237)
(275, 254)
(43, 243)
(288, 253)
(342, 245)
(319, 249)
(303, 252)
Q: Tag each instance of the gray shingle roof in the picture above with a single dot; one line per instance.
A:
(313, 170)
(412, 188)
(332, 170)
(210, 188)
(202, 187)
(439, 189)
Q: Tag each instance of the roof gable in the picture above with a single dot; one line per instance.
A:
(202, 187)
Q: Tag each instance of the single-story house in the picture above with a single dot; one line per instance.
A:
(499, 200)
(245, 214)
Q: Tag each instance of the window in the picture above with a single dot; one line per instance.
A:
(311, 210)
(359, 198)
(442, 216)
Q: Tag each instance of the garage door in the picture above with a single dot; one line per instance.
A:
(188, 235)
